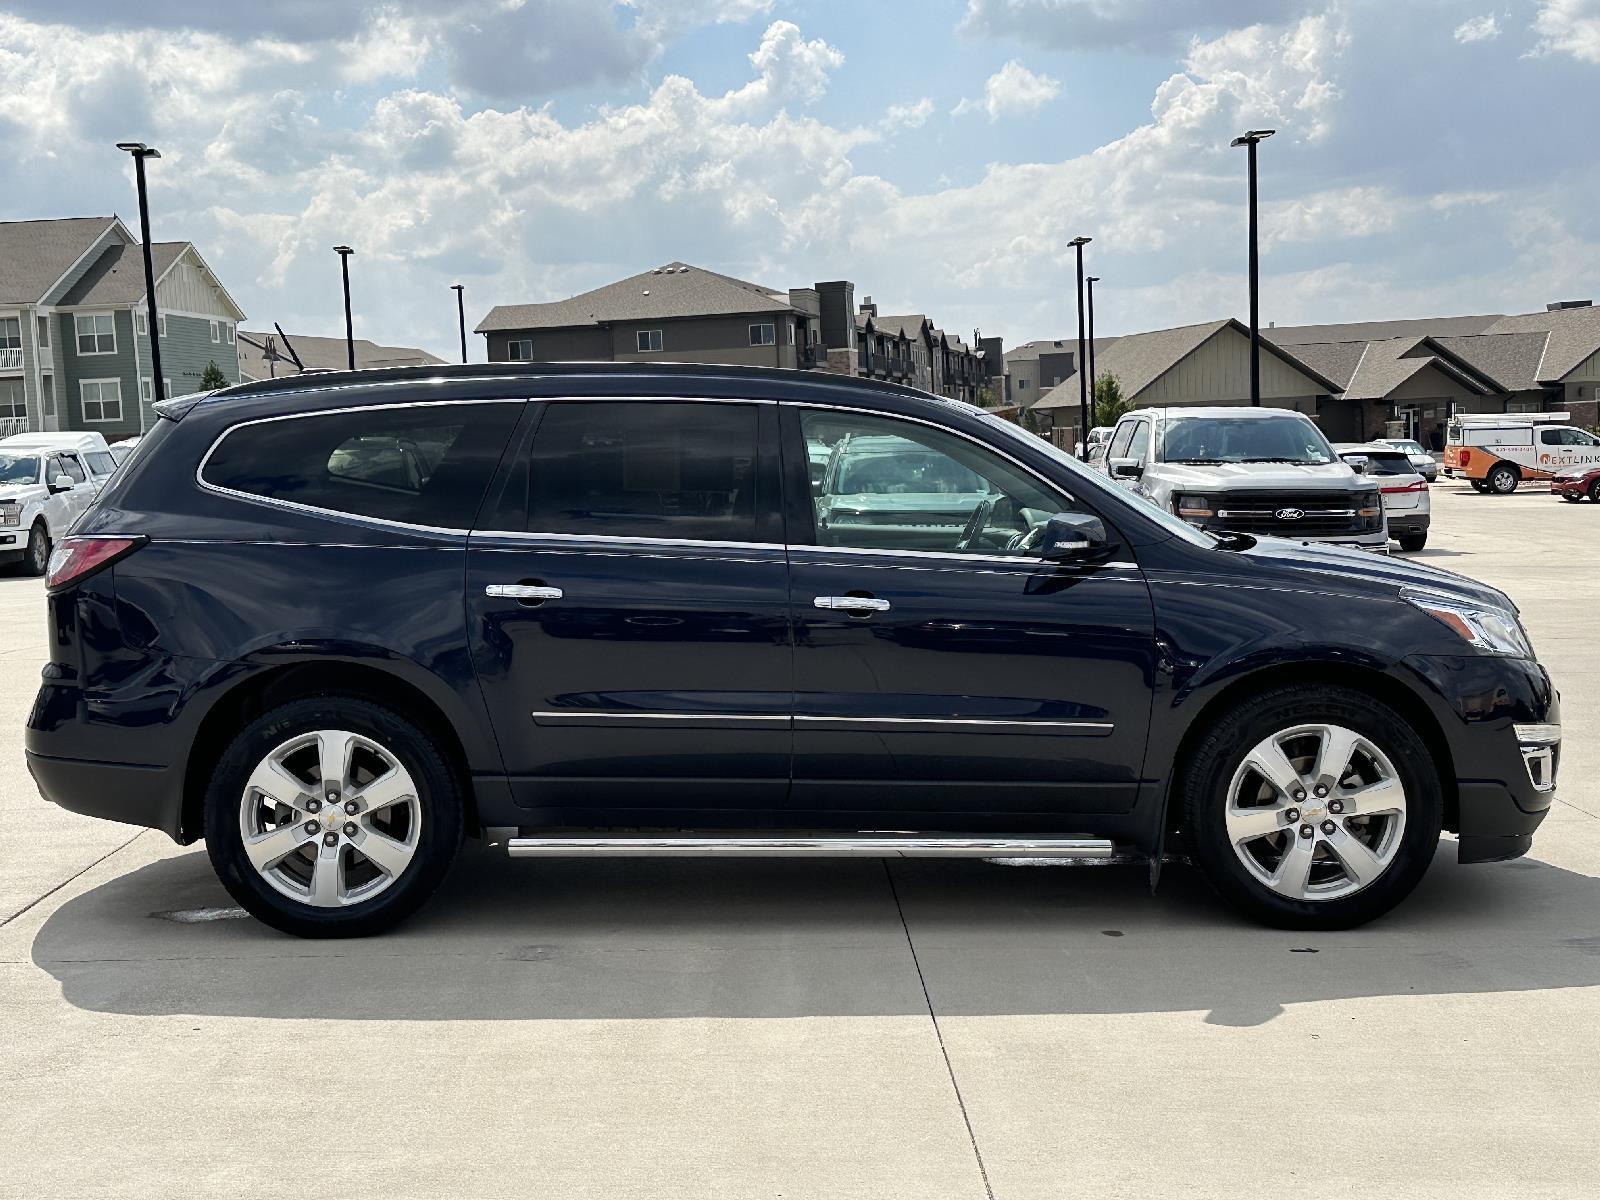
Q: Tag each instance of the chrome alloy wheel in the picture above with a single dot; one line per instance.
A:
(330, 818)
(1316, 812)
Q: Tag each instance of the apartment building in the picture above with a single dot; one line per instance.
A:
(75, 342)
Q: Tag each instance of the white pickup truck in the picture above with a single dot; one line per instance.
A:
(45, 485)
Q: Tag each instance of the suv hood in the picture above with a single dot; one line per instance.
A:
(1377, 571)
(1332, 477)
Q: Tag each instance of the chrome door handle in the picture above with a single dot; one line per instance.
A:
(522, 591)
(859, 604)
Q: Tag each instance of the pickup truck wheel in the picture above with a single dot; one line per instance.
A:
(36, 558)
(1312, 807)
(1502, 479)
(1478, 485)
(332, 817)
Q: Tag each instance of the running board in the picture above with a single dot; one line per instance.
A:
(810, 847)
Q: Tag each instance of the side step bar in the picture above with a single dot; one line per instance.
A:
(860, 846)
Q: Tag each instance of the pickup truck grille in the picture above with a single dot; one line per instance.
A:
(1322, 514)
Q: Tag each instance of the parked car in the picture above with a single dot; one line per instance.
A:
(88, 449)
(41, 495)
(121, 450)
(1407, 510)
(1496, 452)
(1574, 483)
(603, 618)
(1246, 470)
(1099, 438)
(1426, 464)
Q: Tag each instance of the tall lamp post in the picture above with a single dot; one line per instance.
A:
(1078, 243)
(461, 316)
(344, 253)
(141, 152)
(1250, 139)
(1093, 378)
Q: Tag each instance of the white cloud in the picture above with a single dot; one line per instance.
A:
(1569, 27)
(907, 116)
(790, 67)
(1478, 29)
(1145, 25)
(1012, 90)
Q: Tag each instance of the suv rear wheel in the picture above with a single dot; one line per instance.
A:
(332, 817)
(1502, 479)
(1312, 808)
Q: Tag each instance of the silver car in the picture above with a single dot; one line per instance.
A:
(1247, 470)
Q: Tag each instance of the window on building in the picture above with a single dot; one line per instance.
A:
(49, 395)
(763, 335)
(166, 386)
(10, 342)
(423, 465)
(147, 391)
(102, 399)
(520, 350)
(1022, 385)
(44, 333)
(141, 323)
(230, 327)
(216, 331)
(161, 322)
(648, 340)
(97, 333)
(13, 401)
(652, 469)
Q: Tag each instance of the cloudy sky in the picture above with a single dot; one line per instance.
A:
(1434, 156)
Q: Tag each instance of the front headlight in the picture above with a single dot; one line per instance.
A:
(1192, 506)
(1491, 629)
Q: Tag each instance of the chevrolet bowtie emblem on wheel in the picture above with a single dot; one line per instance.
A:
(1289, 514)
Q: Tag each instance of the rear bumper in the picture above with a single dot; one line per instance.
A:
(132, 793)
(1406, 523)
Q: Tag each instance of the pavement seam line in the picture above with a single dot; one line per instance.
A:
(75, 875)
(966, 1119)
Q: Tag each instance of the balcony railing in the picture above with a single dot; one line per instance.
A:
(11, 425)
(10, 358)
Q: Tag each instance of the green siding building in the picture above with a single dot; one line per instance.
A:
(74, 342)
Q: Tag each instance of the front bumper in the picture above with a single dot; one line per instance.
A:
(1569, 487)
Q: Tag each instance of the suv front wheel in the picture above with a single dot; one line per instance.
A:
(332, 817)
(1312, 808)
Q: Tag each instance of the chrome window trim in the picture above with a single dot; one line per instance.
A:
(954, 557)
(576, 714)
(567, 539)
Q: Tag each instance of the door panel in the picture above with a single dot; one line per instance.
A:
(656, 687)
(983, 687)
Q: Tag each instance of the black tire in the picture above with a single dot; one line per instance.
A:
(1413, 542)
(1478, 485)
(439, 835)
(1201, 799)
(1502, 479)
(36, 557)
(1594, 491)
(1575, 499)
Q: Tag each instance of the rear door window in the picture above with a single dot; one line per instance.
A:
(424, 464)
(648, 469)
(101, 462)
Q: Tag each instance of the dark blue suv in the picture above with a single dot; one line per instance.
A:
(333, 624)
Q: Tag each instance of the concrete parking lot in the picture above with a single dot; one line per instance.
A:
(835, 1029)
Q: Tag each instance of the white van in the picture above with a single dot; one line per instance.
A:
(1494, 452)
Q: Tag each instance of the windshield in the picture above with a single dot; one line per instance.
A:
(1287, 439)
(19, 469)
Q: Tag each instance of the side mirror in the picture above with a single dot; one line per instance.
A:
(61, 483)
(1074, 537)
(1126, 468)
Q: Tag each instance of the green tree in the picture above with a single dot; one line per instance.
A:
(213, 378)
(1109, 402)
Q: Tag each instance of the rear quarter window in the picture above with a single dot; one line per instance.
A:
(425, 464)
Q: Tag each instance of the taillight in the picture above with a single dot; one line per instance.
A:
(1420, 485)
(77, 558)
(1466, 457)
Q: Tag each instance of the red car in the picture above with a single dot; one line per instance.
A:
(1577, 482)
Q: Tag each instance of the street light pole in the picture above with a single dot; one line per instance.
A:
(140, 152)
(344, 253)
(461, 316)
(1250, 140)
(1078, 243)
(1093, 378)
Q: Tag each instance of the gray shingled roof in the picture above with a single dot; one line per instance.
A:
(1510, 359)
(910, 323)
(117, 276)
(1336, 360)
(678, 290)
(1139, 359)
(34, 254)
(1574, 336)
(325, 352)
(1378, 331)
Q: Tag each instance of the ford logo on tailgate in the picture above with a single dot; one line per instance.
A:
(1289, 514)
